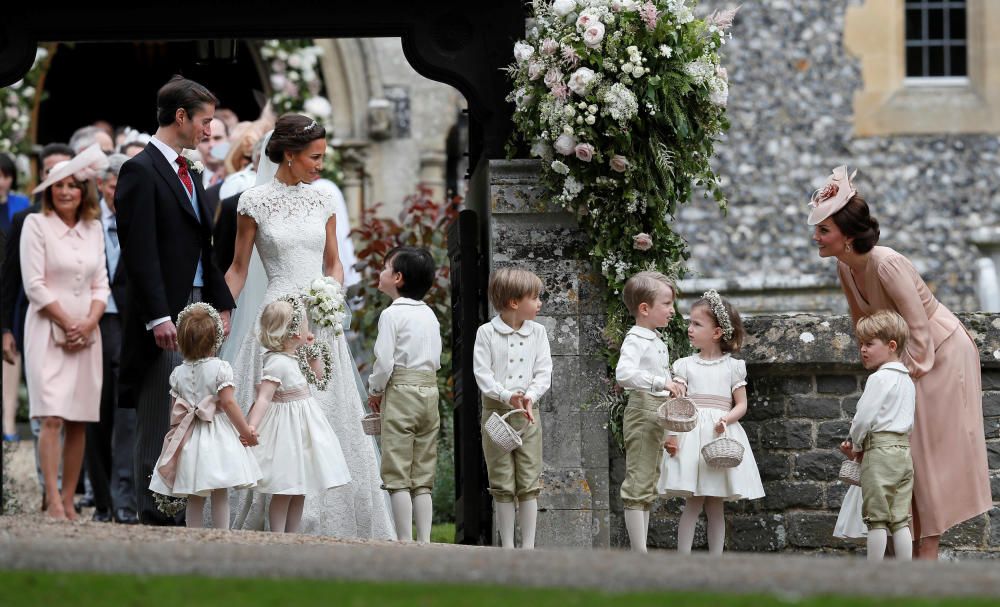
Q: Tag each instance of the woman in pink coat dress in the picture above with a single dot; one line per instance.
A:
(948, 445)
(66, 281)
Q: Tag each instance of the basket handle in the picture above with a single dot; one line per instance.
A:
(512, 412)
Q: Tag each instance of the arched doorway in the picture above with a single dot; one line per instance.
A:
(112, 81)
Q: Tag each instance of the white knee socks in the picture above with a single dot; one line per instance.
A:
(402, 515)
(220, 509)
(527, 516)
(195, 513)
(423, 514)
(715, 512)
(505, 522)
(877, 540)
(635, 524)
(902, 544)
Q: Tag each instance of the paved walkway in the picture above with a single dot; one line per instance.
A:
(33, 543)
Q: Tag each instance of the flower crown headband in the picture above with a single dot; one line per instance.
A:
(220, 333)
(298, 313)
(719, 309)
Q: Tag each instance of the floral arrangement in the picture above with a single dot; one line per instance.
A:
(169, 505)
(623, 101)
(19, 100)
(309, 352)
(298, 87)
(327, 303)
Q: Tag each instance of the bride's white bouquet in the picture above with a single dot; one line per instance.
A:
(327, 304)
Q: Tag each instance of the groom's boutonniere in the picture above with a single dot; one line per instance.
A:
(192, 161)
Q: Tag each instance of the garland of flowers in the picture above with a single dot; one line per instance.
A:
(169, 505)
(298, 313)
(623, 101)
(311, 351)
(327, 304)
(298, 86)
(19, 100)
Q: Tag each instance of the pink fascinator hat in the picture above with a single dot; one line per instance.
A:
(833, 196)
(84, 166)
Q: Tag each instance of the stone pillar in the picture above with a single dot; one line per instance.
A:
(532, 233)
(987, 240)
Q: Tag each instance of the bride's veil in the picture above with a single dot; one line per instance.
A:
(252, 296)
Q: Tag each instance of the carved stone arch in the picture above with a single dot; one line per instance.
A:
(350, 82)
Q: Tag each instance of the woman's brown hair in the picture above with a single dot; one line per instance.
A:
(855, 221)
(89, 207)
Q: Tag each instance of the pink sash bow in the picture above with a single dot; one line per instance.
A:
(182, 416)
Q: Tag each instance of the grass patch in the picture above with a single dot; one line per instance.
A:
(443, 533)
(86, 590)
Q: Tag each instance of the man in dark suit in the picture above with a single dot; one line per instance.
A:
(111, 441)
(166, 243)
(212, 202)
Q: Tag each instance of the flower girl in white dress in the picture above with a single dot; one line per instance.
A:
(716, 382)
(298, 452)
(202, 453)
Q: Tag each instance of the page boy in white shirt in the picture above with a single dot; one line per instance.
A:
(644, 370)
(880, 435)
(513, 369)
(403, 388)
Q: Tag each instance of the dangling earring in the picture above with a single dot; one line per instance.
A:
(289, 164)
(847, 247)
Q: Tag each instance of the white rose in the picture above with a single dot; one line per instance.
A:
(295, 61)
(317, 284)
(560, 167)
(627, 68)
(569, 111)
(278, 81)
(535, 69)
(590, 119)
(565, 144)
(563, 7)
(581, 79)
(593, 35)
(523, 52)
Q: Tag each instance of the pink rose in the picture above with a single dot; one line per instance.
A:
(585, 152)
(593, 35)
(549, 46)
(642, 241)
(553, 77)
(535, 69)
(619, 163)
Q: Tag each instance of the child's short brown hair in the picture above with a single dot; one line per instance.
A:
(643, 287)
(885, 325)
(507, 284)
(196, 333)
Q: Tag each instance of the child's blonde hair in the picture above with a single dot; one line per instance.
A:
(275, 325)
(196, 333)
(885, 325)
(643, 287)
(508, 284)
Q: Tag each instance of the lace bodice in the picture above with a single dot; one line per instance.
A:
(291, 232)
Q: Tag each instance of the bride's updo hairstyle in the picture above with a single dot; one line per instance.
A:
(856, 221)
(292, 133)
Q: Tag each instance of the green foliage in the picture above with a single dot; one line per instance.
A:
(424, 223)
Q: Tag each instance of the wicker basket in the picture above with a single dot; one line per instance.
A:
(723, 452)
(501, 433)
(372, 424)
(850, 473)
(678, 415)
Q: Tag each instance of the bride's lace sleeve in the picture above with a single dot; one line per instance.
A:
(249, 204)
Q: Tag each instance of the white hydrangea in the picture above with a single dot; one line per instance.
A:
(681, 11)
(559, 167)
(718, 91)
(571, 188)
(700, 70)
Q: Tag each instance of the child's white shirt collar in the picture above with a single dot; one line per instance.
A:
(505, 329)
(895, 366)
(643, 332)
(406, 301)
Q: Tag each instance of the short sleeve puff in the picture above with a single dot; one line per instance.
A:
(681, 369)
(273, 368)
(738, 371)
(224, 376)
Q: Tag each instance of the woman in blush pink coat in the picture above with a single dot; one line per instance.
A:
(66, 281)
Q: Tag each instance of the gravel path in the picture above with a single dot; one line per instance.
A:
(32, 542)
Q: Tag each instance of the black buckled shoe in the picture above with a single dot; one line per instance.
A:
(102, 516)
(125, 516)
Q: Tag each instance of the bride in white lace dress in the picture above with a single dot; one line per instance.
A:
(294, 229)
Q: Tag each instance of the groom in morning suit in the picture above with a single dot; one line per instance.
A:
(165, 232)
